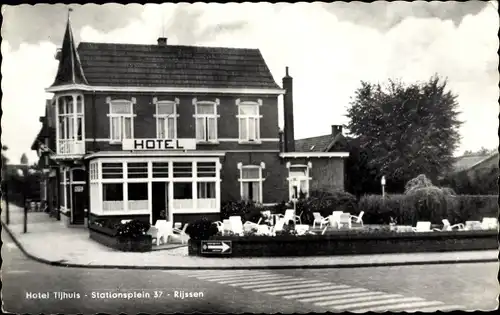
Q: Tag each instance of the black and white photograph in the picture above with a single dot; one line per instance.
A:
(250, 157)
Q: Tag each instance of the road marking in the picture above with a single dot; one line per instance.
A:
(389, 299)
(403, 306)
(271, 287)
(333, 295)
(317, 290)
(256, 280)
(303, 284)
(325, 294)
(234, 276)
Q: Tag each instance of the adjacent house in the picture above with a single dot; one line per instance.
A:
(143, 128)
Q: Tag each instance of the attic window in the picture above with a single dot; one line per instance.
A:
(312, 148)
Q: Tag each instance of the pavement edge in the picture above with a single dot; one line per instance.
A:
(323, 266)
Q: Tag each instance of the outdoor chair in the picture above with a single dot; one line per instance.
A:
(301, 229)
(290, 216)
(165, 229)
(473, 225)
(334, 219)
(226, 226)
(345, 221)
(279, 226)
(249, 225)
(182, 233)
(236, 225)
(218, 224)
(422, 226)
(155, 234)
(263, 230)
(318, 218)
(489, 223)
(448, 227)
(358, 219)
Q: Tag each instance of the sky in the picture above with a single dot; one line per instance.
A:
(329, 48)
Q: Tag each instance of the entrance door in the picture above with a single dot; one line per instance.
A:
(160, 200)
(78, 206)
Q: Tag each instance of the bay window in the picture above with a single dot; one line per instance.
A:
(166, 118)
(206, 120)
(70, 124)
(249, 121)
(121, 119)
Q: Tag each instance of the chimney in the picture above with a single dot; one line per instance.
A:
(162, 41)
(57, 56)
(336, 129)
(289, 143)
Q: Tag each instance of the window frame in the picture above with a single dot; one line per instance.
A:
(121, 117)
(307, 177)
(257, 117)
(260, 180)
(163, 118)
(215, 116)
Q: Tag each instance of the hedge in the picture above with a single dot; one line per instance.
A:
(419, 206)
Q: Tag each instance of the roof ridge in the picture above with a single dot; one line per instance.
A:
(156, 45)
(313, 137)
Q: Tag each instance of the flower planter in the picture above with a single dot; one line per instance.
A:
(353, 243)
(140, 243)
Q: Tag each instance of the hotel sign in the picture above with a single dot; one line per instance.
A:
(158, 144)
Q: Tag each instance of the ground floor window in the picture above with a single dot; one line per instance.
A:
(206, 190)
(251, 183)
(298, 181)
(137, 196)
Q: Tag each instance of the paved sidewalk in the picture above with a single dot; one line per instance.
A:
(51, 241)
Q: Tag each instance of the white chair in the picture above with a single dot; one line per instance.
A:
(489, 224)
(279, 226)
(318, 218)
(165, 229)
(249, 225)
(358, 219)
(263, 230)
(218, 224)
(226, 226)
(236, 225)
(448, 227)
(182, 233)
(422, 226)
(345, 221)
(473, 225)
(290, 216)
(301, 229)
(153, 231)
(334, 219)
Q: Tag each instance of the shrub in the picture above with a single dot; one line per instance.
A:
(421, 181)
(380, 210)
(237, 208)
(133, 228)
(473, 208)
(325, 203)
(429, 203)
(202, 228)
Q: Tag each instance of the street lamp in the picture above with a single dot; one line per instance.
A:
(22, 174)
(382, 181)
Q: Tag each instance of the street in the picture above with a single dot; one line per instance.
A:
(31, 287)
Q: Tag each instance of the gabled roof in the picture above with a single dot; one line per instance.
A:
(326, 143)
(466, 162)
(130, 65)
(70, 70)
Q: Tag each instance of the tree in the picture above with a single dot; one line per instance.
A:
(482, 151)
(5, 160)
(24, 159)
(410, 129)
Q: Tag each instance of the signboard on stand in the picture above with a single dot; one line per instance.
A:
(216, 247)
(158, 144)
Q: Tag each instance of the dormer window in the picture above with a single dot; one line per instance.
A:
(166, 118)
(206, 120)
(121, 119)
(249, 121)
